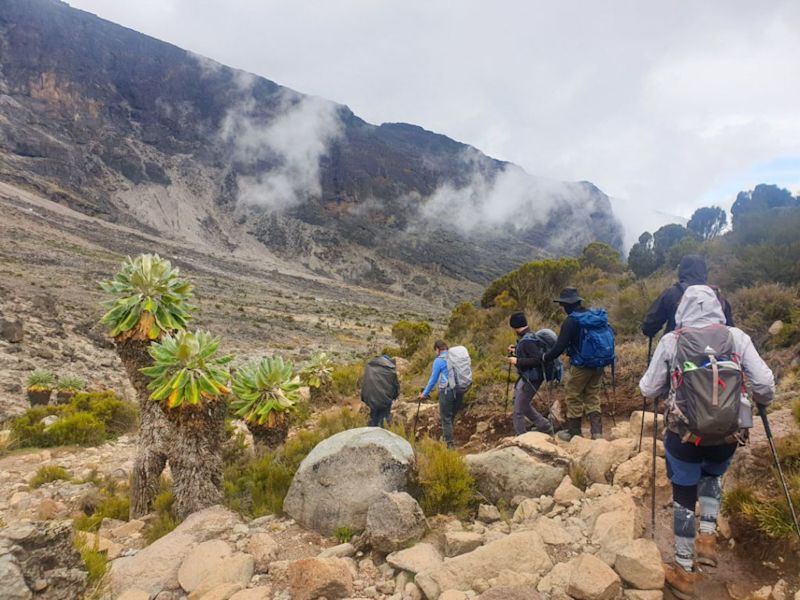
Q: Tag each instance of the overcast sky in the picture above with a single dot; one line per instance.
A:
(668, 105)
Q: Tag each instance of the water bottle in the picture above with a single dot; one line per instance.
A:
(745, 412)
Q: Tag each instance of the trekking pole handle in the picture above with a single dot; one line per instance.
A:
(762, 412)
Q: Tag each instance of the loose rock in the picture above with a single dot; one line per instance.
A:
(592, 579)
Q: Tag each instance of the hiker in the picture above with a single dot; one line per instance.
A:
(587, 361)
(526, 356)
(379, 389)
(700, 365)
(451, 399)
(691, 271)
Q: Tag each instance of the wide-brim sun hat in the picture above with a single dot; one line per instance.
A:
(568, 296)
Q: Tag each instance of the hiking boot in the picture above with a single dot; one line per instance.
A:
(596, 424)
(680, 581)
(573, 429)
(705, 546)
(548, 430)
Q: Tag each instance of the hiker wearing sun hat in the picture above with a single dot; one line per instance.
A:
(589, 342)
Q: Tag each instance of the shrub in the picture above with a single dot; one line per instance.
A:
(113, 505)
(411, 335)
(96, 562)
(165, 520)
(46, 474)
(602, 256)
(343, 534)
(81, 429)
(632, 305)
(796, 410)
(757, 307)
(345, 378)
(579, 476)
(116, 414)
(447, 486)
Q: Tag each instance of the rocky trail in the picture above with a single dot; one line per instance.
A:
(535, 534)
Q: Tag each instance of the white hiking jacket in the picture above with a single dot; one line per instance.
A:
(700, 307)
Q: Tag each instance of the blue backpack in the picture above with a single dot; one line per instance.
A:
(596, 346)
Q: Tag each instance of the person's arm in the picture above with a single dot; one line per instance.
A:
(565, 335)
(530, 355)
(439, 365)
(657, 315)
(655, 381)
(726, 308)
(762, 381)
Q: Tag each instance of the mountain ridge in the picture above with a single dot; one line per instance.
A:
(123, 126)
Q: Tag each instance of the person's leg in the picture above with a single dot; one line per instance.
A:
(573, 391)
(715, 463)
(446, 406)
(374, 417)
(684, 471)
(591, 402)
(523, 409)
(388, 415)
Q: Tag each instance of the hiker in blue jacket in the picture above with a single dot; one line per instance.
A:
(450, 400)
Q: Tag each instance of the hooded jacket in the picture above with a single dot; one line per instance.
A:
(691, 271)
(379, 385)
(700, 307)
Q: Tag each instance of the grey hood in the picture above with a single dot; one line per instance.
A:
(699, 307)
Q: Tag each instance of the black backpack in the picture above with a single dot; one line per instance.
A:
(553, 370)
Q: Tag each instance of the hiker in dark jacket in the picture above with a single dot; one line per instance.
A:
(582, 389)
(527, 358)
(691, 271)
(379, 389)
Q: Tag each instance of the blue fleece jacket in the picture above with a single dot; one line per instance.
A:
(438, 373)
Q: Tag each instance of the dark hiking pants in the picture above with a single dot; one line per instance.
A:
(524, 411)
(450, 404)
(378, 417)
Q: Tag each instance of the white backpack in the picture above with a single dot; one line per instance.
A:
(459, 369)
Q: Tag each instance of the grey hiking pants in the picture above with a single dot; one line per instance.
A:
(450, 403)
(523, 409)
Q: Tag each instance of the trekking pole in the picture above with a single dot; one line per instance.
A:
(644, 399)
(508, 384)
(762, 411)
(416, 418)
(653, 481)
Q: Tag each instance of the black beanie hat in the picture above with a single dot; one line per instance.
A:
(518, 320)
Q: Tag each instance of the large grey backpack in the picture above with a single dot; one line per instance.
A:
(459, 369)
(707, 383)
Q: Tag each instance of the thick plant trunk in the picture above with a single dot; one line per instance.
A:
(271, 437)
(155, 430)
(195, 458)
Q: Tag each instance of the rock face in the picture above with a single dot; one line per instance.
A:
(39, 556)
(394, 520)
(522, 552)
(156, 567)
(507, 472)
(155, 102)
(340, 478)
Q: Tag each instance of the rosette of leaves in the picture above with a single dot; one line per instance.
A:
(317, 373)
(40, 381)
(70, 383)
(265, 391)
(150, 298)
(186, 371)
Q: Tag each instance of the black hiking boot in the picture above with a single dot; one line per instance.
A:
(573, 429)
(596, 424)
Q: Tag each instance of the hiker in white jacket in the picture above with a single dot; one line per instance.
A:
(695, 465)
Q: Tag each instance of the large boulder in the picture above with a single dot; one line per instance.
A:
(600, 457)
(344, 474)
(639, 565)
(592, 579)
(155, 568)
(418, 558)
(636, 425)
(504, 473)
(40, 554)
(638, 471)
(394, 521)
(522, 552)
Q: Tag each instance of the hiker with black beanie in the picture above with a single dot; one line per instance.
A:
(526, 356)
(692, 270)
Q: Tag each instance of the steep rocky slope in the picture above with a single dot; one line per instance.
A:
(136, 131)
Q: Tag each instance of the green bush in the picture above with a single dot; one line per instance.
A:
(96, 562)
(80, 429)
(89, 419)
(40, 380)
(411, 335)
(46, 474)
(757, 307)
(443, 476)
(113, 505)
(345, 378)
(165, 520)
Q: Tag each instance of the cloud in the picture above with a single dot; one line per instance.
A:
(281, 148)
